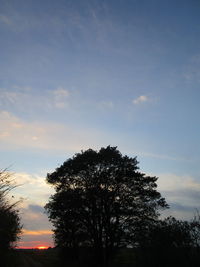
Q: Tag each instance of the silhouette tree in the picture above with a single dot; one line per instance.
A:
(170, 233)
(10, 226)
(102, 201)
(171, 242)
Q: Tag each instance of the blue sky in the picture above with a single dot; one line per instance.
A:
(86, 74)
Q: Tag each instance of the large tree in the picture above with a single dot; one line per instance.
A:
(102, 201)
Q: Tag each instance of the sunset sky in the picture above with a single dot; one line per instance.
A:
(80, 74)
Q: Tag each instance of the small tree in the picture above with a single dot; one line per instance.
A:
(102, 201)
(10, 226)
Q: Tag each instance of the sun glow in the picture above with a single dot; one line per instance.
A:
(42, 247)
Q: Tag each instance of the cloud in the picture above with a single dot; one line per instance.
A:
(34, 189)
(24, 98)
(35, 221)
(36, 233)
(182, 193)
(14, 97)
(141, 99)
(179, 207)
(170, 182)
(16, 133)
(36, 241)
(61, 96)
(161, 156)
(106, 105)
(5, 19)
(36, 226)
(36, 208)
(192, 69)
(61, 92)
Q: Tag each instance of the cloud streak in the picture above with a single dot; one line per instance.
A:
(36, 226)
(61, 96)
(17, 133)
(5, 19)
(36, 233)
(141, 99)
(25, 99)
(181, 192)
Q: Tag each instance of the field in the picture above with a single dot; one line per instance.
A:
(125, 258)
(31, 258)
(50, 258)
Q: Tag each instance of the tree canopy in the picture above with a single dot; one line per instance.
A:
(102, 201)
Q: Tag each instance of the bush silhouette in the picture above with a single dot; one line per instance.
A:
(10, 226)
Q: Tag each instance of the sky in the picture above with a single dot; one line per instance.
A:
(86, 74)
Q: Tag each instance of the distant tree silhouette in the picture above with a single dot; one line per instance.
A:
(10, 226)
(102, 201)
(170, 233)
(171, 242)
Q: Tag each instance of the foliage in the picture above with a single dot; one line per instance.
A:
(170, 233)
(171, 242)
(102, 201)
(195, 230)
(173, 233)
(10, 226)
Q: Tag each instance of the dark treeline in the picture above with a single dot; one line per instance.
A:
(106, 212)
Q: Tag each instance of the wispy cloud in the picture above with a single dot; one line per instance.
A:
(14, 96)
(192, 69)
(5, 19)
(34, 189)
(35, 193)
(141, 99)
(24, 98)
(169, 182)
(106, 105)
(16, 133)
(36, 226)
(61, 96)
(36, 233)
(180, 191)
(162, 156)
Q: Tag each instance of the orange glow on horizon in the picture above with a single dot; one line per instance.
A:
(42, 247)
(34, 244)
